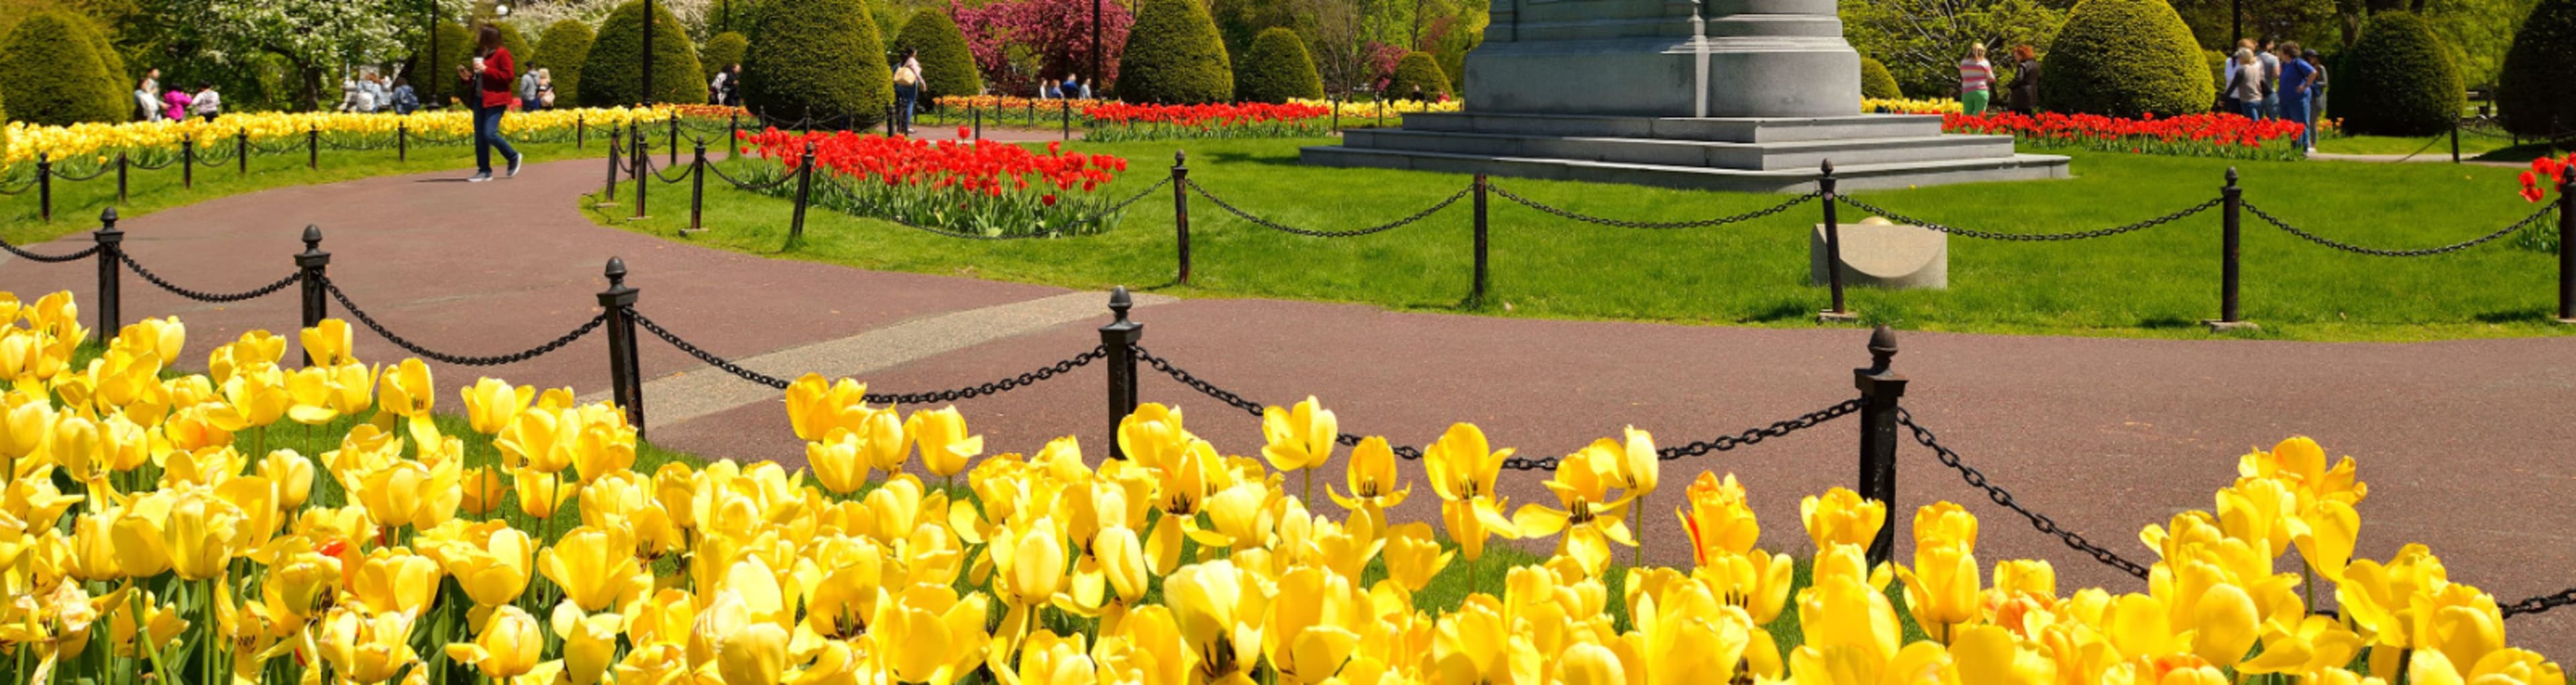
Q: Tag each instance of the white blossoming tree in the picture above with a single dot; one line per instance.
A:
(316, 37)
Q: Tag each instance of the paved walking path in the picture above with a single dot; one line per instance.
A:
(2464, 443)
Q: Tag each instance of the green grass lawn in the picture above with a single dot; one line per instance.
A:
(2156, 283)
(2427, 147)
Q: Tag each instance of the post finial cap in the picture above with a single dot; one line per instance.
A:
(107, 216)
(1120, 302)
(616, 271)
(312, 237)
(1882, 347)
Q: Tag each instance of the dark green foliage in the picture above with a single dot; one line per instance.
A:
(734, 16)
(818, 58)
(1418, 69)
(2217, 79)
(722, 51)
(1276, 69)
(2398, 80)
(947, 67)
(51, 72)
(2125, 58)
(519, 49)
(612, 74)
(2538, 87)
(1876, 82)
(561, 51)
(434, 79)
(1174, 56)
(1239, 22)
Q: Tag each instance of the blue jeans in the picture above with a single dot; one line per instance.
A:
(2252, 109)
(2271, 106)
(904, 98)
(2296, 109)
(487, 135)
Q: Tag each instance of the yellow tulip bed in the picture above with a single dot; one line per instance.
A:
(1911, 106)
(157, 141)
(148, 536)
(1359, 114)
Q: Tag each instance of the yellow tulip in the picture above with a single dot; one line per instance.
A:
(1685, 635)
(407, 391)
(1122, 562)
(836, 461)
(1371, 475)
(1145, 648)
(1218, 607)
(930, 635)
(495, 569)
(1461, 464)
(2302, 463)
(1590, 520)
(1413, 557)
(889, 440)
(595, 568)
(29, 420)
(491, 404)
(1755, 581)
(815, 406)
(330, 343)
(1843, 611)
(945, 446)
(1841, 517)
(2325, 532)
(540, 492)
(1591, 664)
(1309, 637)
(1300, 438)
(1048, 658)
(589, 643)
(1718, 519)
(142, 547)
(508, 647)
(302, 587)
(200, 534)
(756, 655)
(1152, 435)
(2457, 620)
(366, 649)
(2315, 643)
(394, 582)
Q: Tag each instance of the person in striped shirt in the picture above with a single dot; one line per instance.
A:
(1976, 80)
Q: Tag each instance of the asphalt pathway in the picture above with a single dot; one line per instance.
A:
(2464, 444)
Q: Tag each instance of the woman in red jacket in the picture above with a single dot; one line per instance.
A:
(491, 73)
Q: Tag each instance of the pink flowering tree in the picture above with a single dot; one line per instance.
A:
(1017, 41)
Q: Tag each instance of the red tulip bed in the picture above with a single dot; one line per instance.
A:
(2196, 135)
(1121, 122)
(980, 188)
(2541, 184)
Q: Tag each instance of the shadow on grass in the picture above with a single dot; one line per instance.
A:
(2167, 323)
(2538, 315)
(1783, 310)
(1245, 157)
(2524, 153)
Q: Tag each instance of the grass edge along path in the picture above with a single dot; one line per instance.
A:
(2157, 283)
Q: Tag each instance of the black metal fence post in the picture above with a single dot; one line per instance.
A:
(1476, 297)
(1833, 246)
(580, 132)
(2455, 140)
(675, 138)
(733, 132)
(1118, 341)
(111, 252)
(612, 172)
(241, 152)
(804, 194)
(2566, 253)
(1336, 103)
(1879, 389)
(188, 162)
(402, 141)
(45, 188)
(2231, 229)
(1033, 113)
(313, 262)
(643, 175)
(1067, 109)
(120, 178)
(979, 120)
(625, 377)
(698, 187)
(1181, 209)
(313, 147)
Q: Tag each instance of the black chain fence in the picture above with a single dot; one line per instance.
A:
(2526, 222)
(23, 188)
(85, 253)
(202, 296)
(1284, 228)
(2004, 498)
(93, 174)
(750, 187)
(1892, 215)
(736, 370)
(541, 350)
(1651, 225)
(2542, 603)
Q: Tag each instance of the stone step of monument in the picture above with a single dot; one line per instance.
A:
(1803, 155)
(1851, 177)
(1756, 130)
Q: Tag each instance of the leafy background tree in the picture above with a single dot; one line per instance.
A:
(947, 66)
(613, 74)
(1017, 41)
(1922, 41)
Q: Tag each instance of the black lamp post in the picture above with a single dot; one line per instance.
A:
(2236, 18)
(1098, 84)
(648, 53)
(429, 61)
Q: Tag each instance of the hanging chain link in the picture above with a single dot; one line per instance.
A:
(750, 187)
(102, 170)
(1753, 436)
(155, 279)
(2540, 603)
(666, 180)
(2045, 525)
(1042, 373)
(2030, 237)
(1381, 228)
(2526, 222)
(165, 164)
(701, 355)
(1652, 225)
(22, 188)
(398, 341)
(85, 253)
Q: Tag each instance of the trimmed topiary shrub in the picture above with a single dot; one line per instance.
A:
(560, 51)
(519, 49)
(818, 58)
(2218, 80)
(2537, 90)
(947, 66)
(1276, 69)
(1418, 69)
(2125, 58)
(612, 74)
(1175, 57)
(2397, 80)
(1876, 82)
(433, 77)
(724, 50)
(51, 73)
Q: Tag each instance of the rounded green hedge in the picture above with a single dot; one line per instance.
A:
(947, 67)
(2125, 58)
(52, 74)
(724, 50)
(612, 74)
(560, 51)
(1275, 69)
(1418, 69)
(818, 58)
(1876, 82)
(519, 49)
(1174, 56)
(2537, 90)
(433, 79)
(2397, 80)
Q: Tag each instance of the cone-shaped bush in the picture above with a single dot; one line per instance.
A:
(947, 67)
(1175, 57)
(433, 77)
(1276, 69)
(1418, 69)
(724, 50)
(560, 51)
(818, 58)
(2397, 80)
(2125, 58)
(51, 73)
(2535, 89)
(1876, 81)
(519, 49)
(613, 72)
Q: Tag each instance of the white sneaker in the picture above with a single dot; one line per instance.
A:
(479, 178)
(515, 163)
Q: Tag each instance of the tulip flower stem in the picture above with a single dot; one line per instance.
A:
(141, 629)
(2308, 583)
(1310, 485)
(1639, 559)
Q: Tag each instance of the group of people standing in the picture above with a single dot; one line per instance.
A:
(151, 103)
(1977, 79)
(2269, 81)
(1071, 88)
(371, 92)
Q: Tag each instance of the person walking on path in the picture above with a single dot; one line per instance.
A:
(1976, 81)
(2298, 82)
(2025, 82)
(208, 103)
(2244, 84)
(490, 73)
(907, 90)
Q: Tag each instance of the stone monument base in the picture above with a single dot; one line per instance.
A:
(1878, 254)
(1776, 154)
